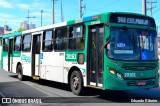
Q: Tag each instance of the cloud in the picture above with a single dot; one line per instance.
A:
(23, 6)
(11, 20)
(4, 15)
(5, 4)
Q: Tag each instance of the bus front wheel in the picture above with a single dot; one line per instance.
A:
(20, 73)
(76, 83)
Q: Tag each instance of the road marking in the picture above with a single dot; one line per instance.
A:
(1, 94)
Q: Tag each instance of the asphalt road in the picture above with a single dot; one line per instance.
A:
(52, 92)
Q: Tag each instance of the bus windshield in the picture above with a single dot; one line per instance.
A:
(133, 44)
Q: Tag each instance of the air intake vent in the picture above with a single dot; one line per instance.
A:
(139, 67)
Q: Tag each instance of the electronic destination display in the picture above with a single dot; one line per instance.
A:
(132, 19)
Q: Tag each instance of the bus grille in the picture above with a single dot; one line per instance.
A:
(139, 67)
(134, 83)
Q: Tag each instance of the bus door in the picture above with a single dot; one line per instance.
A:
(10, 55)
(95, 52)
(36, 45)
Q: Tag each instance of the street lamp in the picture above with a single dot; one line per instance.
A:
(41, 17)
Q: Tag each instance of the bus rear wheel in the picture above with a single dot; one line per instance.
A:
(20, 73)
(76, 83)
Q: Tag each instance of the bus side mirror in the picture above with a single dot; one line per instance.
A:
(107, 42)
(105, 46)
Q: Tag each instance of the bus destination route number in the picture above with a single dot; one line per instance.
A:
(128, 20)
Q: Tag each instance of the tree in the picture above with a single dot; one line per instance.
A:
(20, 30)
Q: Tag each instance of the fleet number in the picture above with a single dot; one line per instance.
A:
(129, 74)
(70, 56)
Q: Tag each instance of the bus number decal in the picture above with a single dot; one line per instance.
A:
(130, 75)
(71, 56)
(95, 22)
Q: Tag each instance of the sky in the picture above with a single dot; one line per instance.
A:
(13, 12)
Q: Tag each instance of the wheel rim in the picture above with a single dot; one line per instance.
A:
(75, 83)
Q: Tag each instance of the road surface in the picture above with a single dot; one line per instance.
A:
(52, 92)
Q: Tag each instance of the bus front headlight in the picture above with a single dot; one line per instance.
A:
(112, 71)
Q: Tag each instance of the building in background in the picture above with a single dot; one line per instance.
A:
(24, 25)
(5, 30)
(32, 26)
(1, 31)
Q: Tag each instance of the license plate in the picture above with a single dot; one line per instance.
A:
(142, 83)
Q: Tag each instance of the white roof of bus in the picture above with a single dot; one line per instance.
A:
(45, 28)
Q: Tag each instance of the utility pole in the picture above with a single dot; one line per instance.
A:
(53, 11)
(29, 18)
(53, 20)
(62, 16)
(80, 8)
(151, 7)
(41, 17)
(144, 7)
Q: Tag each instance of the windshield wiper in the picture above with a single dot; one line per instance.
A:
(142, 39)
(135, 42)
(142, 42)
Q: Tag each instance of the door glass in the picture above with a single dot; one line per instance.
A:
(93, 56)
(38, 44)
(100, 54)
(96, 55)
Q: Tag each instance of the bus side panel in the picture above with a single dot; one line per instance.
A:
(26, 63)
(52, 63)
(5, 61)
(16, 59)
(68, 64)
(82, 68)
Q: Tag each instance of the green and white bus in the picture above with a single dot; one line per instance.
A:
(116, 51)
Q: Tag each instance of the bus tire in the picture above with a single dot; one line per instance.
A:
(76, 83)
(20, 75)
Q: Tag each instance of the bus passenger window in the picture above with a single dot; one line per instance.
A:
(17, 43)
(5, 44)
(60, 42)
(76, 37)
(47, 41)
(26, 43)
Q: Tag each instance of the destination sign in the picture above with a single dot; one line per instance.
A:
(132, 19)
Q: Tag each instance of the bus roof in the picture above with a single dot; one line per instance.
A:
(44, 28)
(80, 20)
(94, 17)
(12, 35)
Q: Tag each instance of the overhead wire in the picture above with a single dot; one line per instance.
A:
(156, 11)
(113, 3)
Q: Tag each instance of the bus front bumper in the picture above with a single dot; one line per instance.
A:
(113, 83)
